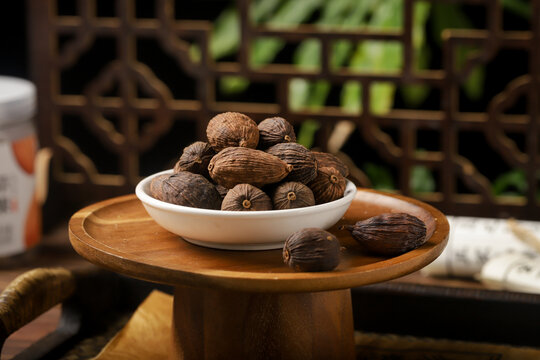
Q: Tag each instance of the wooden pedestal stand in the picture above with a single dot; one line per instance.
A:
(248, 304)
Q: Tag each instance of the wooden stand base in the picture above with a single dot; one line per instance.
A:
(268, 311)
(220, 324)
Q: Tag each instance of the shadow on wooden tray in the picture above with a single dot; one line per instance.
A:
(96, 304)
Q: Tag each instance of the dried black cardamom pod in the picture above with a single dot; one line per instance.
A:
(156, 186)
(292, 195)
(303, 162)
(312, 249)
(195, 158)
(275, 130)
(331, 160)
(389, 233)
(329, 185)
(239, 165)
(245, 197)
(188, 189)
(222, 190)
(232, 129)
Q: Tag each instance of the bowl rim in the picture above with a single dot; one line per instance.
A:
(350, 192)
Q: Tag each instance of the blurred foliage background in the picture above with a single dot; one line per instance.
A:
(429, 20)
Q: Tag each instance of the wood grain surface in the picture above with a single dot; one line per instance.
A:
(119, 235)
(215, 324)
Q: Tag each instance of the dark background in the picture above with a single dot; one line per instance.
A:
(13, 44)
(473, 145)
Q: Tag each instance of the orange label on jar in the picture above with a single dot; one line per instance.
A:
(20, 214)
(24, 151)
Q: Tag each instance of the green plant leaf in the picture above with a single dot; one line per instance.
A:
(474, 84)
(313, 95)
(334, 12)
(225, 39)
(376, 56)
(518, 7)
(233, 84)
(261, 10)
(513, 182)
(318, 93)
(298, 93)
(415, 94)
(338, 14)
(382, 97)
(195, 53)
(306, 135)
(447, 16)
(350, 97)
(421, 13)
(380, 176)
(422, 180)
(308, 55)
(264, 50)
(451, 16)
(290, 14)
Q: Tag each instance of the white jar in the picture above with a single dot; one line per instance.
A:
(20, 210)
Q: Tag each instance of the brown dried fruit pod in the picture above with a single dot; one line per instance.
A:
(274, 131)
(389, 234)
(329, 185)
(238, 165)
(292, 195)
(331, 160)
(188, 189)
(304, 164)
(245, 197)
(195, 158)
(156, 189)
(232, 129)
(222, 190)
(312, 249)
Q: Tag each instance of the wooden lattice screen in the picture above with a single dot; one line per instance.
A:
(112, 113)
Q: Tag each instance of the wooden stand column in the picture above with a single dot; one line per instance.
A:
(218, 324)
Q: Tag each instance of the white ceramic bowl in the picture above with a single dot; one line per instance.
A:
(240, 230)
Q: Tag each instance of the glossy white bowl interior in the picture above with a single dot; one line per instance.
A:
(240, 230)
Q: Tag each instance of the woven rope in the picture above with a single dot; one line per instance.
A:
(30, 295)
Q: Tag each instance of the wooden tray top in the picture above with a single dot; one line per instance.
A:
(119, 235)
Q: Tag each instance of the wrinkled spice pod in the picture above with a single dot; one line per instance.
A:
(304, 164)
(222, 190)
(292, 195)
(274, 131)
(156, 189)
(389, 234)
(188, 189)
(329, 185)
(331, 160)
(232, 129)
(245, 197)
(195, 158)
(238, 165)
(311, 249)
